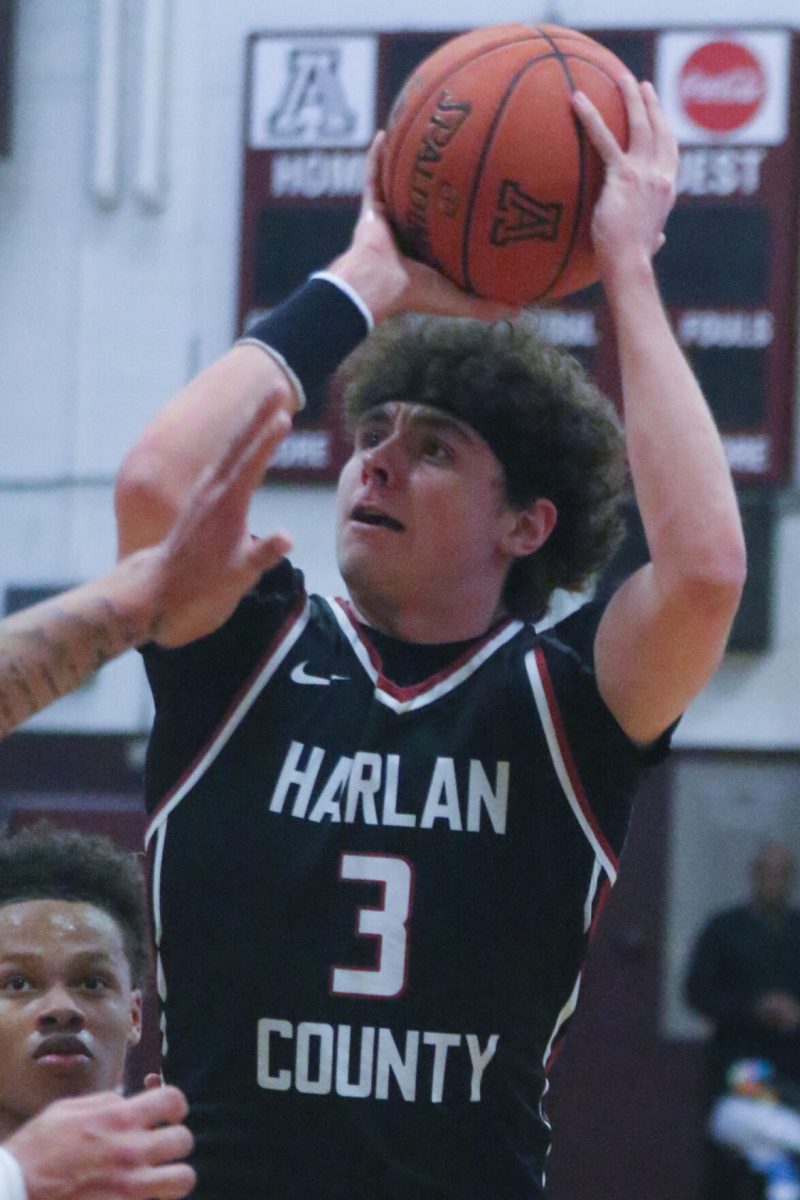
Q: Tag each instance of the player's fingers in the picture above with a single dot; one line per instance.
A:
(167, 1183)
(165, 1144)
(372, 191)
(640, 131)
(597, 131)
(218, 471)
(239, 471)
(157, 1106)
(153, 1080)
(489, 310)
(253, 430)
(266, 437)
(665, 140)
(436, 294)
(264, 553)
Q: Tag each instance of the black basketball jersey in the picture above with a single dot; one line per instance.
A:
(372, 902)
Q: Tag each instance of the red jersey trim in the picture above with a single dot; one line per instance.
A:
(403, 699)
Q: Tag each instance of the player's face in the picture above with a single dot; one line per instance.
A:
(68, 1012)
(422, 519)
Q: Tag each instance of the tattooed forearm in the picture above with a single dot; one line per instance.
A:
(51, 649)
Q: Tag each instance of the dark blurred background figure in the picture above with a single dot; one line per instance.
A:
(744, 977)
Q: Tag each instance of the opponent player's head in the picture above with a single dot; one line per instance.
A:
(553, 433)
(73, 956)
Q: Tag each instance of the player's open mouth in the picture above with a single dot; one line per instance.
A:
(373, 516)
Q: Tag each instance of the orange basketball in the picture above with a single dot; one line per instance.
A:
(488, 175)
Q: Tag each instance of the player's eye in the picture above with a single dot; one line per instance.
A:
(94, 983)
(436, 450)
(367, 438)
(17, 983)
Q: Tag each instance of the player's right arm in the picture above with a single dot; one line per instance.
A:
(186, 435)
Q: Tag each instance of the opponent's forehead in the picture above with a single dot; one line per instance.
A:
(67, 925)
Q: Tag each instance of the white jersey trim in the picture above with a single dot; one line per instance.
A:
(437, 689)
(546, 718)
(572, 1003)
(588, 908)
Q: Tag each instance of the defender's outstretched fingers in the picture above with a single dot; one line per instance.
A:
(249, 449)
(224, 491)
(269, 430)
(265, 553)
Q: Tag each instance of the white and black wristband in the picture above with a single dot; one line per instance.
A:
(312, 332)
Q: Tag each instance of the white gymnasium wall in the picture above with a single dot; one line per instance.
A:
(107, 309)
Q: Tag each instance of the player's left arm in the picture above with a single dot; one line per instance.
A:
(665, 629)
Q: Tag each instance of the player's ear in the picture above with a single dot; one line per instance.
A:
(135, 1031)
(529, 527)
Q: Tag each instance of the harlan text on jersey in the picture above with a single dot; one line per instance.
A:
(369, 788)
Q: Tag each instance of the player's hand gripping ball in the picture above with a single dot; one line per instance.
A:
(488, 175)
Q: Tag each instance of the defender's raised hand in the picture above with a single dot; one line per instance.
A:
(210, 559)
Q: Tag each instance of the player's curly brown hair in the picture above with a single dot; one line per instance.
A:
(555, 434)
(44, 863)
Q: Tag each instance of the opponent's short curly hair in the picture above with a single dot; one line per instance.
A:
(555, 434)
(41, 862)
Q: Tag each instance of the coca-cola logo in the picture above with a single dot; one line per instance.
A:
(722, 86)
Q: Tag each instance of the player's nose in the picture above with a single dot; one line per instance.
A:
(382, 463)
(59, 1011)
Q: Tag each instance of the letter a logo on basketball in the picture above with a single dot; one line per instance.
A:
(521, 217)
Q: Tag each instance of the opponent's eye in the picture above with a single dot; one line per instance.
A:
(17, 983)
(94, 983)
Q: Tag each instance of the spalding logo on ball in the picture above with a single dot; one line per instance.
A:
(488, 175)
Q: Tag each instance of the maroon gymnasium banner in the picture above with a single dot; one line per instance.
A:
(728, 271)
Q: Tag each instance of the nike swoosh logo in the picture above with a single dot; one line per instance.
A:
(301, 675)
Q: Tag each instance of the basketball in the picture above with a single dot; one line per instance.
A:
(487, 174)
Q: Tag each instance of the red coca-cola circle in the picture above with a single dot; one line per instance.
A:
(721, 86)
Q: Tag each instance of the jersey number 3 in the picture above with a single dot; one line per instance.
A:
(387, 924)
